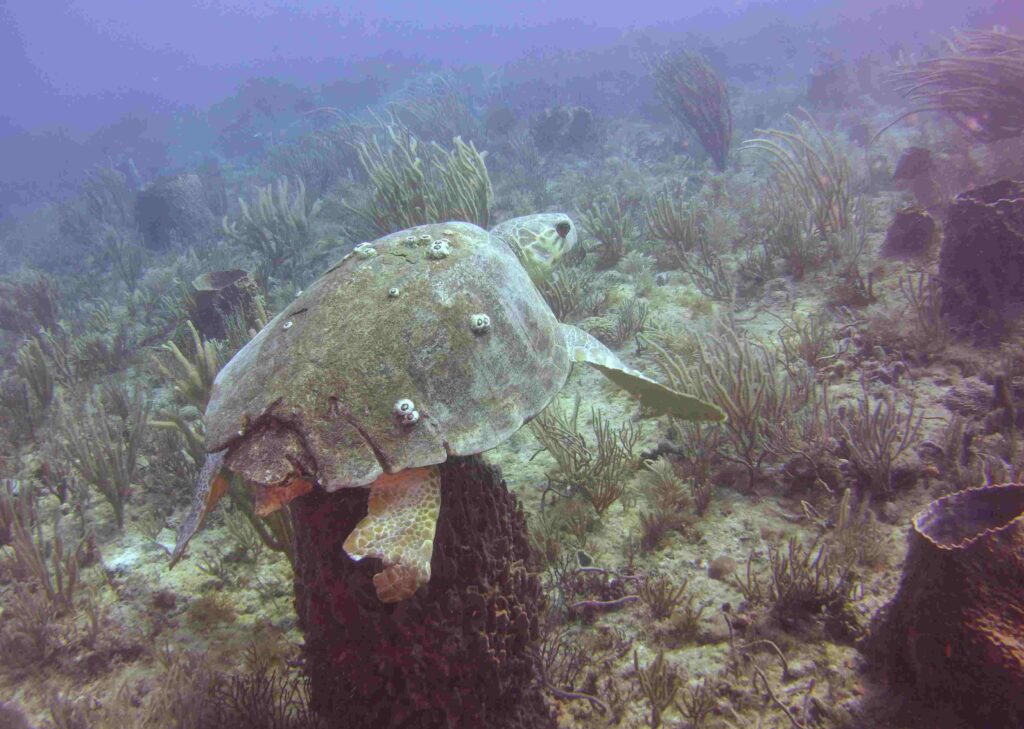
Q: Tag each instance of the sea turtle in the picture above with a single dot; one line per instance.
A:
(427, 343)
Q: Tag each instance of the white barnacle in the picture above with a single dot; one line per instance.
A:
(479, 323)
(440, 248)
(425, 238)
(289, 324)
(394, 292)
(405, 412)
(365, 250)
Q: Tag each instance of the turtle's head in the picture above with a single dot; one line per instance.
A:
(539, 240)
(552, 239)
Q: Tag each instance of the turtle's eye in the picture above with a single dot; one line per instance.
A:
(563, 228)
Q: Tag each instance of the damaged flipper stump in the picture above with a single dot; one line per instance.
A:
(399, 530)
(211, 485)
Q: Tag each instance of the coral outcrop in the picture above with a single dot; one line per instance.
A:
(456, 654)
(953, 634)
(563, 129)
(911, 233)
(982, 261)
(830, 85)
(917, 172)
(174, 211)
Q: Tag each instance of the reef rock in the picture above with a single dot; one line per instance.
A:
(174, 211)
(982, 262)
(971, 398)
(954, 634)
(917, 172)
(562, 129)
(457, 653)
(830, 86)
(11, 717)
(911, 233)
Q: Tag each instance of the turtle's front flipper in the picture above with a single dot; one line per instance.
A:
(585, 348)
(211, 485)
(399, 529)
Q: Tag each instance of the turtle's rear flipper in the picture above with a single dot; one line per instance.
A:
(399, 529)
(585, 348)
(211, 485)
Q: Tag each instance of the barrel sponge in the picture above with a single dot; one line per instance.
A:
(954, 633)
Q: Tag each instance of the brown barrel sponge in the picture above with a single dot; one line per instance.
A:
(461, 652)
(217, 296)
(954, 633)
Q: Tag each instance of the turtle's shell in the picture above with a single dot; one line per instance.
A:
(315, 392)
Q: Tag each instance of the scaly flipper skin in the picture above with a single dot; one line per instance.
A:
(583, 347)
(399, 529)
(211, 484)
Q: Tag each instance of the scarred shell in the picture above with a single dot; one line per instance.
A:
(317, 397)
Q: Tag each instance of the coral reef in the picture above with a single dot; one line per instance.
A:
(383, 302)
